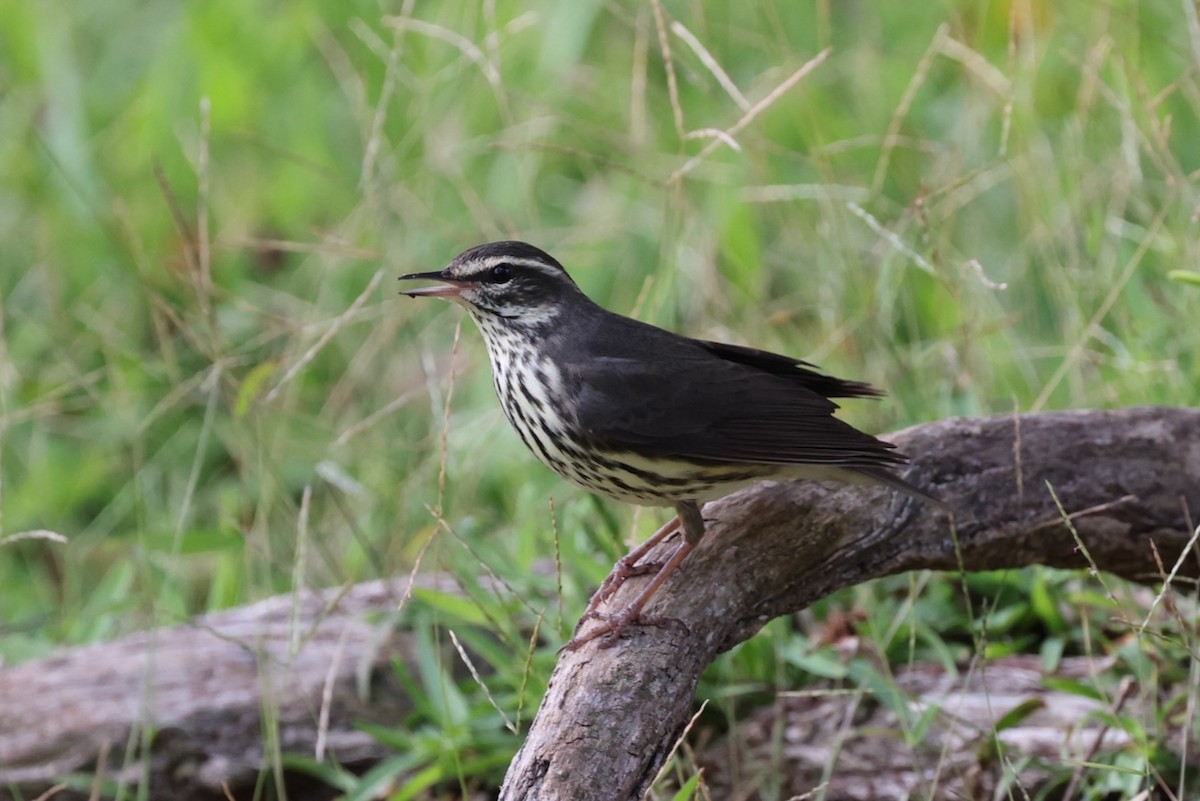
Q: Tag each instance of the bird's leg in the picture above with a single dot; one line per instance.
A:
(691, 519)
(627, 567)
(611, 626)
(692, 522)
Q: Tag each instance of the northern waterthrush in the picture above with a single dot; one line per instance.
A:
(639, 414)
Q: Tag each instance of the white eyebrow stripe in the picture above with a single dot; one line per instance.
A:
(491, 261)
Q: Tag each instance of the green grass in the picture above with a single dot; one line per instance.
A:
(980, 207)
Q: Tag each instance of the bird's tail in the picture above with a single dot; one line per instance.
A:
(879, 475)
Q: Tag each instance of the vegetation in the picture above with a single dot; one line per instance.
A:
(210, 389)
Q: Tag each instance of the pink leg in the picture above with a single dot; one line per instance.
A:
(627, 567)
(611, 627)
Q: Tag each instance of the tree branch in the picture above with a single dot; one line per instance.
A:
(1127, 478)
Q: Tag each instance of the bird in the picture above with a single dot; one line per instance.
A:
(642, 415)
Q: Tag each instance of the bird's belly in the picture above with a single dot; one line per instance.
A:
(631, 478)
(628, 477)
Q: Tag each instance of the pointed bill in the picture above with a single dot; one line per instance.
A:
(449, 288)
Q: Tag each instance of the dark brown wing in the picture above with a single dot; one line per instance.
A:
(659, 394)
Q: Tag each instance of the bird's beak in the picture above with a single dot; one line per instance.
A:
(449, 288)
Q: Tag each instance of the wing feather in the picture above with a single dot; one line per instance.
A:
(794, 370)
(669, 396)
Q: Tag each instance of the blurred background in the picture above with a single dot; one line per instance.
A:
(211, 391)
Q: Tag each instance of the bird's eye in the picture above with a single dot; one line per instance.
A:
(501, 273)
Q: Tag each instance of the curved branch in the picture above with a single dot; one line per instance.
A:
(1128, 479)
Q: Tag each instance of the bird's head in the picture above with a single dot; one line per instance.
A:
(509, 280)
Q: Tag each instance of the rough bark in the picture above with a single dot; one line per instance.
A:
(1129, 478)
(201, 689)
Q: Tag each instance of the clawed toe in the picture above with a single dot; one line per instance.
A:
(612, 627)
(623, 571)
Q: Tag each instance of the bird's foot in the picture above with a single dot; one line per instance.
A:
(613, 626)
(625, 569)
